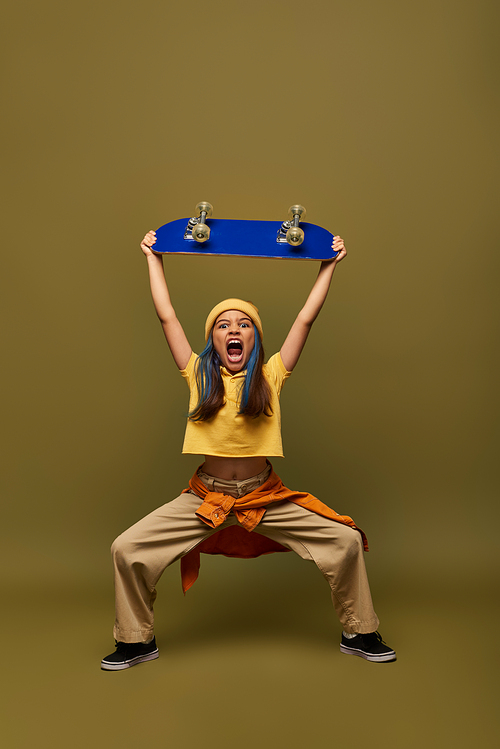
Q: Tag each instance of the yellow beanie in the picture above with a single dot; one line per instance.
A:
(247, 307)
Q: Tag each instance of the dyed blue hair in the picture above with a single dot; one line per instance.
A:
(252, 361)
(208, 376)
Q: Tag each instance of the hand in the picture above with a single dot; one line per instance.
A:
(148, 242)
(338, 246)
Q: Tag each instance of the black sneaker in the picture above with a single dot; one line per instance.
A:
(129, 654)
(370, 646)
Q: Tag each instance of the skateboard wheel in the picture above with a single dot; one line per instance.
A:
(295, 236)
(207, 207)
(297, 210)
(201, 232)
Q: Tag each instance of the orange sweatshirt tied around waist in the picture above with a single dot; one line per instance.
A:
(238, 540)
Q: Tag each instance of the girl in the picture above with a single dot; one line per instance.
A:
(236, 505)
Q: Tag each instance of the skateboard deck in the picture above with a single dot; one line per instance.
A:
(240, 238)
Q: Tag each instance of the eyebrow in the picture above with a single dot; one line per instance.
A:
(226, 319)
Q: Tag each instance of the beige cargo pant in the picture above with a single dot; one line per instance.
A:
(143, 552)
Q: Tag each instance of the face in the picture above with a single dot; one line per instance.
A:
(234, 337)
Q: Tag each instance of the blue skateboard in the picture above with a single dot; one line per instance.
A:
(202, 235)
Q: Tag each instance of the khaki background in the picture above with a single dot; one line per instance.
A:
(382, 119)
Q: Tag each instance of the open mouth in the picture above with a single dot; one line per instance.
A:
(234, 351)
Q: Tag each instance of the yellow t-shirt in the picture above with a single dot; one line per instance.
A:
(230, 434)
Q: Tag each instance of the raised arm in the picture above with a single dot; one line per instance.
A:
(174, 333)
(296, 338)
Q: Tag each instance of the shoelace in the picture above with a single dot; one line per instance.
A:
(375, 636)
(124, 647)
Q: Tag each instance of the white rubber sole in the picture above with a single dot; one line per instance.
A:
(108, 666)
(382, 658)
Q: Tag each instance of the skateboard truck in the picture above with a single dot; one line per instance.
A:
(290, 231)
(196, 227)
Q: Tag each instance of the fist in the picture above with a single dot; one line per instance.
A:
(148, 242)
(339, 247)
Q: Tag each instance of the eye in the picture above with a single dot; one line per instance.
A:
(245, 325)
(223, 325)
